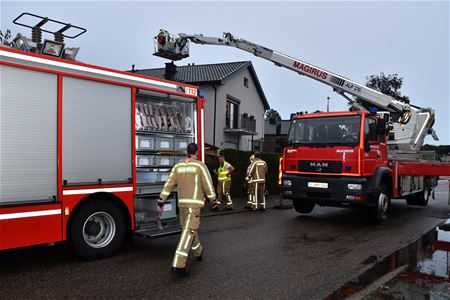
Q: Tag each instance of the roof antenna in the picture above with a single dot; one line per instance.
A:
(132, 69)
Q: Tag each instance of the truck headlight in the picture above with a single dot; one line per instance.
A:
(354, 186)
(287, 183)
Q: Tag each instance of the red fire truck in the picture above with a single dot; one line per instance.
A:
(363, 157)
(85, 151)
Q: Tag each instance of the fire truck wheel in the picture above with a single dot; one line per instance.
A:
(303, 206)
(97, 230)
(378, 213)
(422, 197)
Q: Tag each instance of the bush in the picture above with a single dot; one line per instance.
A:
(240, 160)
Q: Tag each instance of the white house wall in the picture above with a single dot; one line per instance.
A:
(251, 104)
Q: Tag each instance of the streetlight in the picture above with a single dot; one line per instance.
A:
(328, 104)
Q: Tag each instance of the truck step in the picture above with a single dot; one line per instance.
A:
(156, 233)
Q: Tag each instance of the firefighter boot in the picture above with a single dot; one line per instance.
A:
(180, 272)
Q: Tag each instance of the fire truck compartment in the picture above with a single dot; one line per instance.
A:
(28, 135)
(96, 132)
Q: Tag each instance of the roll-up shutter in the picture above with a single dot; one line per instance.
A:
(96, 132)
(28, 135)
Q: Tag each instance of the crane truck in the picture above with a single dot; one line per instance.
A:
(364, 157)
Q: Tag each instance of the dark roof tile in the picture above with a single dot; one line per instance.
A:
(208, 74)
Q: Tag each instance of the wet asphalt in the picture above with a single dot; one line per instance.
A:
(277, 254)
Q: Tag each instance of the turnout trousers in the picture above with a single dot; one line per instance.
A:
(223, 191)
(190, 222)
(257, 194)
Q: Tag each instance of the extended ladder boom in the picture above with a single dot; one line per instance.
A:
(410, 129)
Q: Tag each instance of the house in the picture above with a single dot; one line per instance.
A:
(275, 135)
(235, 101)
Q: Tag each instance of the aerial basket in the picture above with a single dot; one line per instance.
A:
(170, 46)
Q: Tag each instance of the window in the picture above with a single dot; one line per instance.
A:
(246, 82)
(371, 128)
(342, 130)
(231, 114)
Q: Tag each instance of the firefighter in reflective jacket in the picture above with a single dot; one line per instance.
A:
(257, 182)
(194, 182)
(224, 183)
(249, 187)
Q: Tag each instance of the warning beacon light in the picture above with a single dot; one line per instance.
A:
(170, 46)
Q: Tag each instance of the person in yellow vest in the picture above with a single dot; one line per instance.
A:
(249, 186)
(257, 182)
(224, 184)
(194, 182)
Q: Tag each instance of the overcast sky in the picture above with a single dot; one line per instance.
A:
(351, 38)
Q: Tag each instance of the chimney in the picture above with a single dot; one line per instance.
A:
(171, 71)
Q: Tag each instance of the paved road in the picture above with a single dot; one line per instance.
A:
(277, 254)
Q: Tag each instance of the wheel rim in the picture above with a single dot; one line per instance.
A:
(383, 203)
(99, 229)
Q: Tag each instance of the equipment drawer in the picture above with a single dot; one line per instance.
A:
(145, 160)
(164, 160)
(182, 143)
(146, 176)
(145, 143)
(164, 143)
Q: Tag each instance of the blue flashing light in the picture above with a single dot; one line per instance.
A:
(348, 168)
(373, 110)
(201, 93)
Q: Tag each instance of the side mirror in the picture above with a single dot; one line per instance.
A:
(366, 142)
(382, 127)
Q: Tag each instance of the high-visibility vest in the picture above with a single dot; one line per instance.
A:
(223, 173)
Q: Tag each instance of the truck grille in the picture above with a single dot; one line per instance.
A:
(313, 166)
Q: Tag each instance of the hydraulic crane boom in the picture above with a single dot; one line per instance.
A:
(410, 127)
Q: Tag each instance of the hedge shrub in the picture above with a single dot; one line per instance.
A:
(240, 161)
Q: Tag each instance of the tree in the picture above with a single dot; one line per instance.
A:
(387, 84)
(273, 116)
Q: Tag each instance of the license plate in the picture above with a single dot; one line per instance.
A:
(319, 185)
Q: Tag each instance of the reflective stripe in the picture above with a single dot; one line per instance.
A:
(181, 253)
(29, 214)
(187, 242)
(256, 195)
(196, 247)
(208, 178)
(196, 187)
(257, 180)
(86, 69)
(91, 191)
(165, 193)
(193, 201)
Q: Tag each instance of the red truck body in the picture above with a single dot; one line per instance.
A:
(69, 191)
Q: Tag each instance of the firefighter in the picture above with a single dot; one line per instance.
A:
(194, 182)
(257, 182)
(248, 185)
(224, 184)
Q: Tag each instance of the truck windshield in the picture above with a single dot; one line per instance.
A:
(325, 131)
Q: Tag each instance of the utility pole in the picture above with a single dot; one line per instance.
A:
(328, 104)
